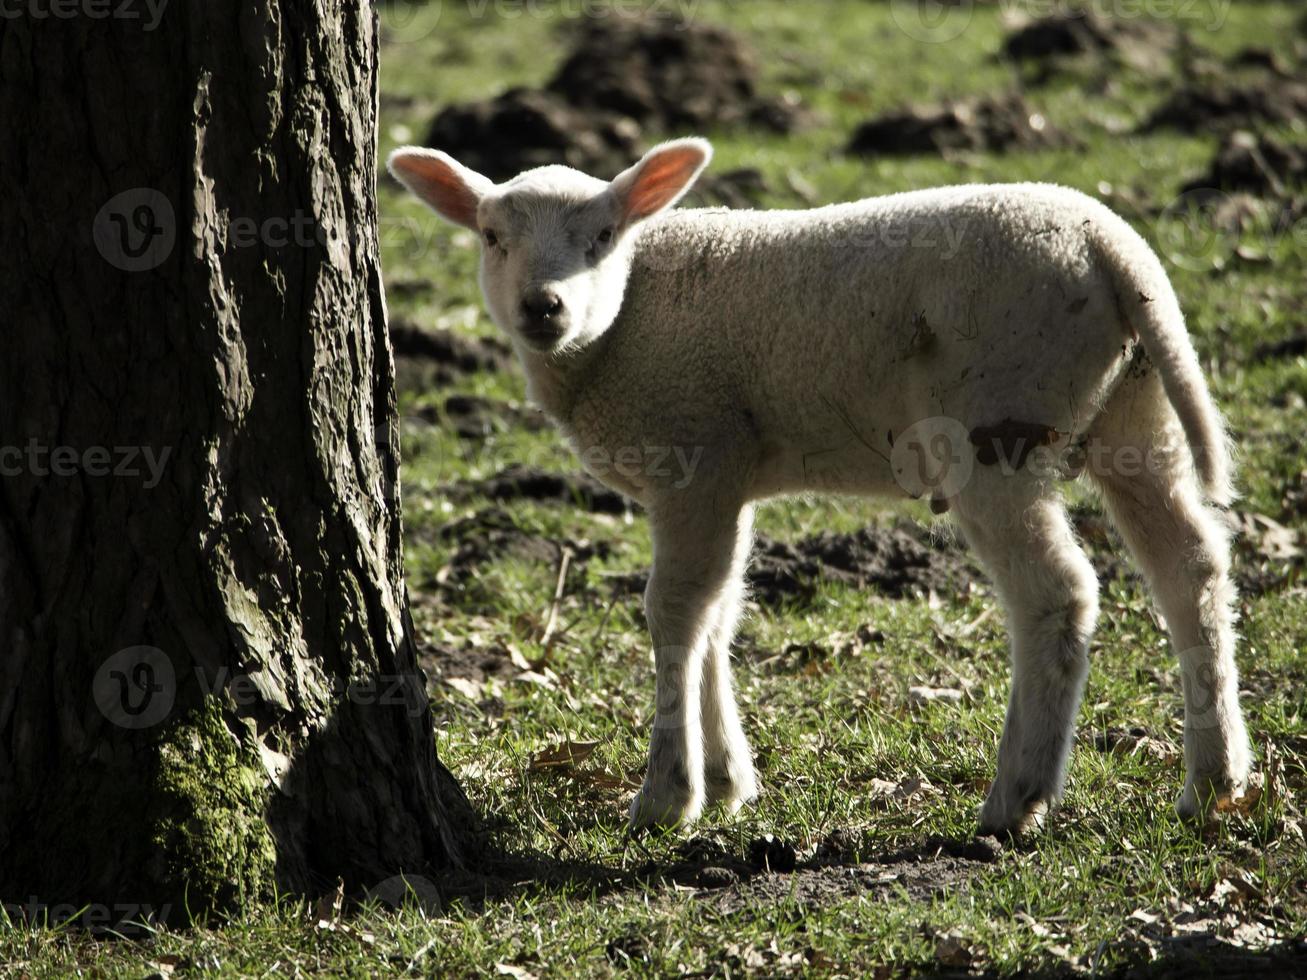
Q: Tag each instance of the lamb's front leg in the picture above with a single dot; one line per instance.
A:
(694, 561)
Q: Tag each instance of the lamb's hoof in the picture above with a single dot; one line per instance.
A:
(1203, 794)
(731, 789)
(653, 808)
(1008, 822)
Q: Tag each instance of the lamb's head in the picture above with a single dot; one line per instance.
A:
(556, 244)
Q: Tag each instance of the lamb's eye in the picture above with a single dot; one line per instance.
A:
(491, 238)
(605, 236)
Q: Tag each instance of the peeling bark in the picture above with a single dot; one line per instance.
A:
(191, 279)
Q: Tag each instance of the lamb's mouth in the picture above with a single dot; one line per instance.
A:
(541, 337)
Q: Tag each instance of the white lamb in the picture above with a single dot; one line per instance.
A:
(995, 331)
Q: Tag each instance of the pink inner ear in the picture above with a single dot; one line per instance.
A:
(437, 183)
(660, 180)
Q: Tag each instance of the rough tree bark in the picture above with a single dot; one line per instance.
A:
(207, 674)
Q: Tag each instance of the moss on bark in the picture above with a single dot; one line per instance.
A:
(214, 833)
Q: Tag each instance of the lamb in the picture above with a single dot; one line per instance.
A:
(856, 349)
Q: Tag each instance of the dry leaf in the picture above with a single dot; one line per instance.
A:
(545, 678)
(1246, 803)
(920, 694)
(465, 686)
(914, 787)
(509, 970)
(565, 755)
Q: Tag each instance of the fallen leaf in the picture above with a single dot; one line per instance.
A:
(564, 755)
(914, 787)
(509, 970)
(920, 694)
(465, 686)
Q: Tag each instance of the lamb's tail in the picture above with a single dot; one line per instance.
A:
(1151, 308)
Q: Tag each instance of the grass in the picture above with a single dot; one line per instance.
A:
(1116, 877)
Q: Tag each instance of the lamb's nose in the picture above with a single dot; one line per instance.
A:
(542, 304)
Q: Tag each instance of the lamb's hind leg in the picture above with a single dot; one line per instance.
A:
(728, 762)
(1019, 530)
(1140, 460)
(694, 564)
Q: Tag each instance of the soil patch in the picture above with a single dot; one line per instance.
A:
(624, 80)
(669, 76)
(522, 129)
(474, 418)
(1224, 103)
(532, 483)
(491, 534)
(937, 867)
(984, 124)
(1251, 164)
(1294, 346)
(1051, 43)
(898, 562)
(743, 188)
(425, 358)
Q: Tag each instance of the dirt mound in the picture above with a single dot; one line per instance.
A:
(898, 562)
(624, 80)
(669, 76)
(1225, 103)
(474, 418)
(741, 188)
(426, 358)
(522, 129)
(1051, 42)
(491, 534)
(532, 483)
(894, 561)
(985, 124)
(1259, 165)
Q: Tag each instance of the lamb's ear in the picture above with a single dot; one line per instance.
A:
(449, 188)
(661, 177)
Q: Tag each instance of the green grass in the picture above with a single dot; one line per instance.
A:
(828, 712)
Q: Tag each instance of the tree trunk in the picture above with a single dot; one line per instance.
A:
(207, 677)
